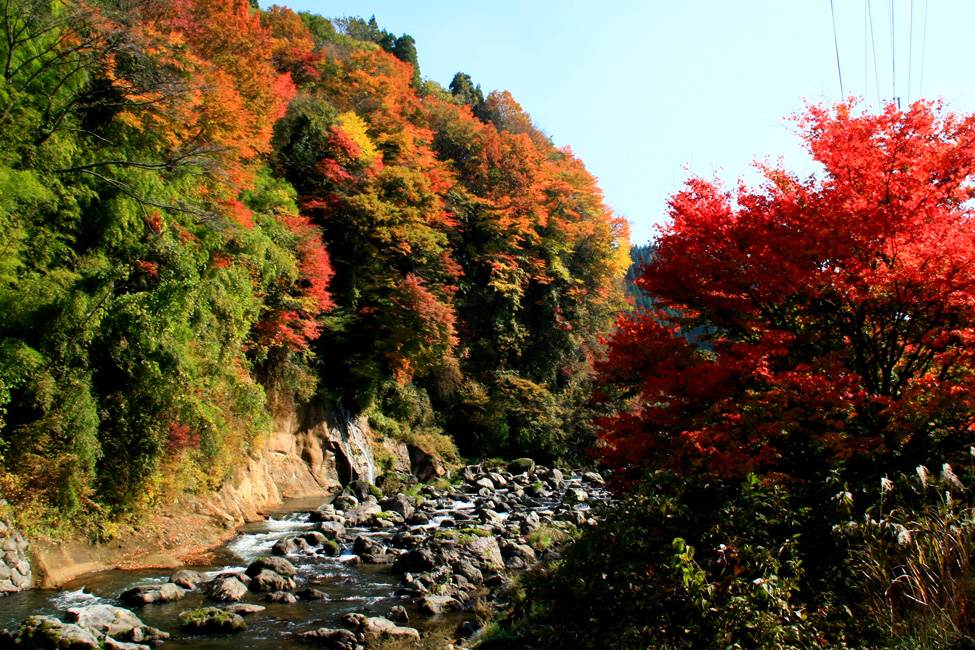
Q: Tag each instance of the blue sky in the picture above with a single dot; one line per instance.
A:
(648, 92)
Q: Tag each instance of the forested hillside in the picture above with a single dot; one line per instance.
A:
(209, 213)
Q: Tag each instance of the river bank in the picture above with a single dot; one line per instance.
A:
(419, 556)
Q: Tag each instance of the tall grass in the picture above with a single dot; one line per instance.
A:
(911, 556)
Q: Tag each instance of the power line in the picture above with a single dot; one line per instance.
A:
(910, 54)
(836, 47)
(873, 45)
(924, 44)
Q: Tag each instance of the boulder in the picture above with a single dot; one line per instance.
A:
(270, 581)
(118, 623)
(361, 490)
(521, 466)
(332, 529)
(435, 605)
(398, 614)
(244, 609)
(278, 565)
(226, 589)
(315, 538)
(332, 639)
(284, 547)
(49, 632)
(210, 620)
(186, 579)
(153, 594)
(363, 512)
(345, 502)
(401, 504)
(312, 594)
(281, 597)
(377, 629)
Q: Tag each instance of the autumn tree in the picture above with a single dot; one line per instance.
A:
(840, 310)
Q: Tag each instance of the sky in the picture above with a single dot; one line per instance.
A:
(648, 93)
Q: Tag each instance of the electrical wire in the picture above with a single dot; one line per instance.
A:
(924, 44)
(836, 47)
(910, 54)
(873, 45)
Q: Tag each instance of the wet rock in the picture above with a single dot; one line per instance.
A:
(314, 538)
(331, 549)
(108, 643)
(312, 594)
(401, 504)
(227, 589)
(277, 565)
(521, 466)
(332, 529)
(49, 632)
(281, 597)
(284, 547)
(118, 623)
(484, 483)
(367, 546)
(553, 477)
(363, 512)
(210, 620)
(345, 502)
(244, 609)
(594, 477)
(397, 614)
(186, 579)
(326, 637)
(153, 594)
(498, 480)
(575, 495)
(361, 490)
(378, 629)
(270, 581)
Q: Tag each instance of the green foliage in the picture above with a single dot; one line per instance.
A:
(679, 564)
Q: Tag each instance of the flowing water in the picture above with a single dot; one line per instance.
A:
(351, 588)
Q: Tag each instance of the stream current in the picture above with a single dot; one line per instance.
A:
(350, 585)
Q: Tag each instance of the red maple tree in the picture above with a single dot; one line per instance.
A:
(839, 309)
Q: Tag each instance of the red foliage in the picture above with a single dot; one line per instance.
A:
(842, 308)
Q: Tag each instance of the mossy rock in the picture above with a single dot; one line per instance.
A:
(331, 548)
(521, 466)
(210, 620)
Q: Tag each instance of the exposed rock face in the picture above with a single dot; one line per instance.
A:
(15, 571)
(314, 451)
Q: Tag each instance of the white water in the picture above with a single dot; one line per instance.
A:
(357, 449)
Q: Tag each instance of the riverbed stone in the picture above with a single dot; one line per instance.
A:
(284, 547)
(436, 605)
(310, 593)
(211, 620)
(49, 632)
(228, 589)
(376, 629)
(270, 581)
(146, 595)
(345, 502)
(116, 622)
(332, 529)
(332, 639)
(284, 597)
(521, 466)
(243, 609)
(363, 512)
(278, 565)
(186, 578)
